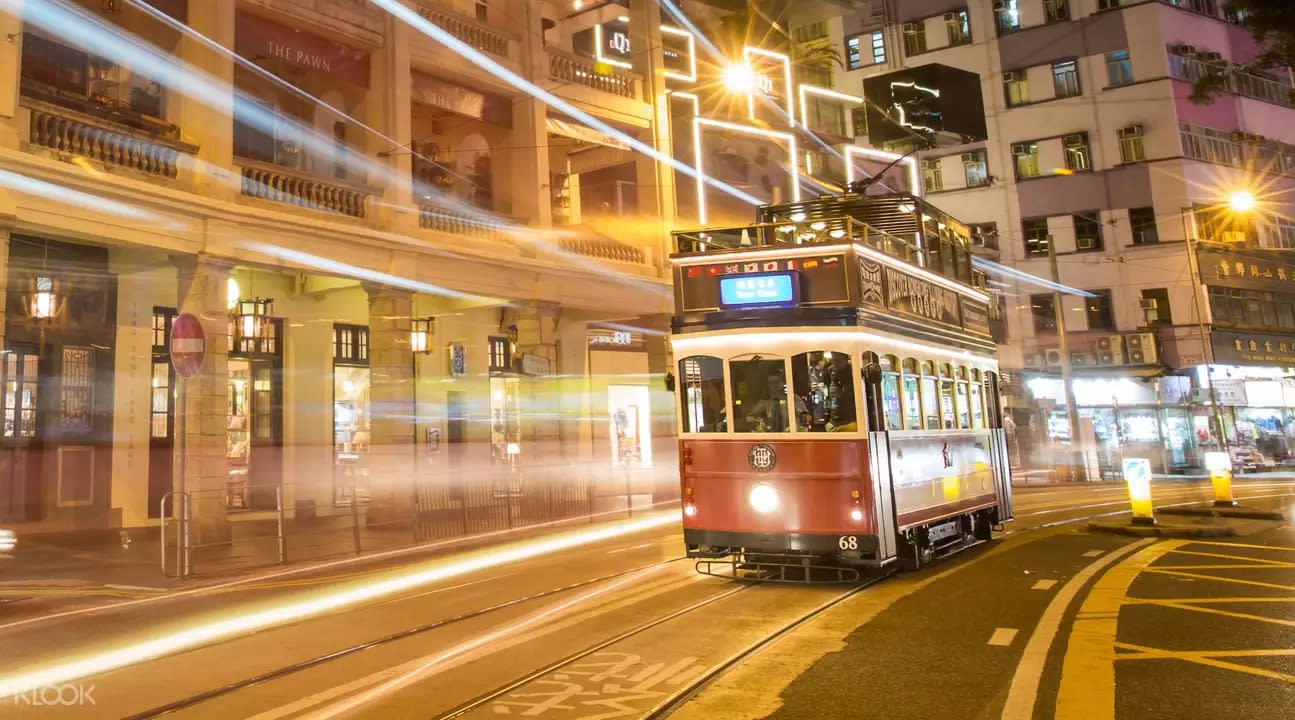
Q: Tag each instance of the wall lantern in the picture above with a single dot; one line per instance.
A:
(45, 300)
(251, 318)
(420, 335)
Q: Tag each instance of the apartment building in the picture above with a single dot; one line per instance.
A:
(402, 226)
(1094, 150)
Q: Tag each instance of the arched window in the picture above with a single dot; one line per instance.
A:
(890, 396)
(910, 394)
(701, 394)
(962, 398)
(948, 413)
(930, 397)
(977, 400)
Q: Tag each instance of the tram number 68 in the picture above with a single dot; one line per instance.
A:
(848, 542)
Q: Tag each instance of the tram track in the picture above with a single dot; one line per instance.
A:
(227, 689)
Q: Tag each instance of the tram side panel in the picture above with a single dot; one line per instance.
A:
(942, 477)
(818, 485)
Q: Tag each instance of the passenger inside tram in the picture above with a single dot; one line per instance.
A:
(841, 385)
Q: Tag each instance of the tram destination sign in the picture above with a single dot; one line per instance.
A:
(813, 280)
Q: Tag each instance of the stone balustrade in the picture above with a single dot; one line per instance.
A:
(572, 68)
(75, 133)
(293, 187)
(469, 31)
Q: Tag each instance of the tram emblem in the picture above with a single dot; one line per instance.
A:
(762, 457)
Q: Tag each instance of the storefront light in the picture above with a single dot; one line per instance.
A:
(420, 335)
(251, 315)
(45, 300)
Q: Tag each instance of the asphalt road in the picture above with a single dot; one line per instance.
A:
(612, 626)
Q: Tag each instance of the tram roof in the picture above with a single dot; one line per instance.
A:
(896, 213)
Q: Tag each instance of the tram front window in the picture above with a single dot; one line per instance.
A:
(702, 390)
(760, 403)
(823, 381)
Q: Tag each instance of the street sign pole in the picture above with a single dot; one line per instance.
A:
(188, 351)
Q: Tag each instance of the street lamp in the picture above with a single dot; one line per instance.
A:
(420, 335)
(738, 78)
(1241, 201)
(252, 318)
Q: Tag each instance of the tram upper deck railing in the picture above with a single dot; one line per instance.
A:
(940, 255)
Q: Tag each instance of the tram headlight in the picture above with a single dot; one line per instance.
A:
(856, 515)
(763, 498)
(690, 510)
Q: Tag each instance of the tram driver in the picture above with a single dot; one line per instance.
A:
(841, 383)
(770, 414)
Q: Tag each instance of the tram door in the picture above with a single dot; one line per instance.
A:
(883, 495)
(1002, 466)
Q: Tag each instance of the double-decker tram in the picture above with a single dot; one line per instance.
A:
(837, 386)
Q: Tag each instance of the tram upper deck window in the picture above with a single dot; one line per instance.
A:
(702, 394)
(977, 406)
(890, 393)
(964, 409)
(930, 397)
(947, 411)
(760, 402)
(911, 397)
(824, 382)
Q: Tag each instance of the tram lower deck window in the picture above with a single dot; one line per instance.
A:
(701, 394)
(760, 398)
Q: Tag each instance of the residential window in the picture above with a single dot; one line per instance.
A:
(1098, 310)
(1088, 231)
(1143, 223)
(1107, 4)
(1283, 233)
(1044, 310)
(1155, 305)
(1065, 79)
(1025, 157)
(1131, 149)
(859, 121)
(1079, 156)
(959, 27)
(931, 175)
(1007, 16)
(866, 49)
(1036, 236)
(914, 38)
(976, 168)
(499, 354)
(1119, 69)
(1056, 10)
(984, 235)
(1016, 90)
(878, 42)
(853, 52)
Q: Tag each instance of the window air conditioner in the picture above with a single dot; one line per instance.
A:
(1021, 149)
(1073, 140)
(1009, 77)
(970, 158)
(1182, 49)
(1052, 356)
(1083, 359)
(1085, 243)
(1032, 360)
(1000, 5)
(1210, 57)
(910, 28)
(951, 18)
(1142, 349)
(1149, 304)
(1131, 131)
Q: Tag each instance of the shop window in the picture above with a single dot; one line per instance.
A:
(21, 382)
(500, 354)
(1098, 310)
(351, 433)
(631, 425)
(1043, 310)
(1065, 79)
(160, 405)
(1119, 69)
(1143, 223)
(911, 395)
(823, 392)
(76, 389)
(1155, 302)
(930, 397)
(1078, 154)
(1037, 237)
(1088, 231)
(890, 393)
(162, 320)
(505, 422)
(351, 344)
(760, 398)
(702, 394)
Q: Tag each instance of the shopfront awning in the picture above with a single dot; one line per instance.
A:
(583, 133)
(1106, 371)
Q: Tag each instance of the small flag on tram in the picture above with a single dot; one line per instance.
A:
(732, 269)
(773, 265)
(751, 267)
(810, 264)
(830, 260)
(791, 264)
(712, 270)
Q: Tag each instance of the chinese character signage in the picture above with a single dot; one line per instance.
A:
(1253, 348)
(1249, 268)
(772, 289)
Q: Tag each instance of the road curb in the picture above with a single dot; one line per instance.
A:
(1163, 531)
(1224, 512)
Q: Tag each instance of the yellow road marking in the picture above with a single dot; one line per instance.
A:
(1226, 566)
(1202, 576)
(1209, 658)
(1212, 611)
(1135, 601)
(1087, 689)
(1255, 560)
(1242, 545)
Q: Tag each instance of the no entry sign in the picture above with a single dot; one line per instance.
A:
(188, 345)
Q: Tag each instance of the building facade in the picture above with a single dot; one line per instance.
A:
(1094, 152)
(405, 230)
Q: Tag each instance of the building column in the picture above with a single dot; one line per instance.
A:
(573, 367)
(208, 122)
(390, 110)
(11, 61)
(537, 335)
(529, 182)
(391, 413)
(4, 278)
(203, 283)
(655, 178)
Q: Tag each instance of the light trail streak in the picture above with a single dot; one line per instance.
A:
(242, 624)
(990, 266)
(50, 191)
(479, 59)
(349, 270)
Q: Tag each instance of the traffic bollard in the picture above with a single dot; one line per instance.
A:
(1137, 475)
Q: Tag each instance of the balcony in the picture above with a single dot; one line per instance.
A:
(1238, 150)
(278, 184)
(454, 222)
(603, 249)
(469, 31)
(1235, 81)
(106, 137)
(571, 68)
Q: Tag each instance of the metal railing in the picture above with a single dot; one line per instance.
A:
(469, 31)
(69, 131)
(572, 68)
(293, 187)
(1237, 150)
(1235, 81)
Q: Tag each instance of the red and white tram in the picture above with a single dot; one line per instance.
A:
(838, 401)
